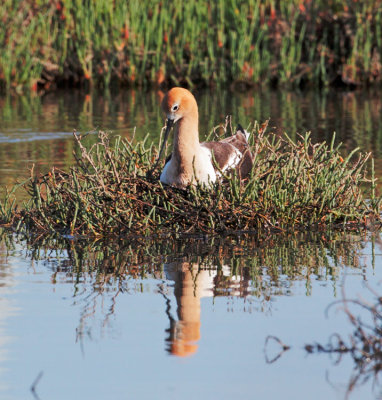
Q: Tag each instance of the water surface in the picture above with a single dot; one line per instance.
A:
(181, 319)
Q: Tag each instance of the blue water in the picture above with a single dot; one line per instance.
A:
(99, 334)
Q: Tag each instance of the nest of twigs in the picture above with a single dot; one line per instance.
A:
(112, 190)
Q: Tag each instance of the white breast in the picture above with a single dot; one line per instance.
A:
(165, 175)
(205, 172)
(202, 169)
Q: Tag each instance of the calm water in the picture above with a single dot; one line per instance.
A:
(186, 318)
(179, 320)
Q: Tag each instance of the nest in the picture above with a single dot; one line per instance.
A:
(111, 190)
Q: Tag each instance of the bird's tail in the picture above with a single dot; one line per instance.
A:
(242, 130)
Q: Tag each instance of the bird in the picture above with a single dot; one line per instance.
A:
(192, 162)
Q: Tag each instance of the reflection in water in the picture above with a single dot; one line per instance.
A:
(190, 285)
(192, 282)
(363, 344)
(38, 129)
(241, 267)
(95, 286)
(7, 309)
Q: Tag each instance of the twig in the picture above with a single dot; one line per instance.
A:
(34, 385)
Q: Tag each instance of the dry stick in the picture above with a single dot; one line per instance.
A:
(151, 171)
(121, 222)
(84, 153)
(151, 205)
(111, 161)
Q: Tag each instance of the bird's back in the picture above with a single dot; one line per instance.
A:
(232, 153)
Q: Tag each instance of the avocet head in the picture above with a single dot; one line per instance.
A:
(176, 104)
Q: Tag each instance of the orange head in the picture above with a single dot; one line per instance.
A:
(177, 103)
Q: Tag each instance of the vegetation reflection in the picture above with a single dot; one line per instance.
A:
(235, 267)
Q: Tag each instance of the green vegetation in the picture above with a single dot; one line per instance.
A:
(139, 42)
(112, 191)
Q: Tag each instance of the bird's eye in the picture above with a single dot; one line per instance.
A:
(175, 107)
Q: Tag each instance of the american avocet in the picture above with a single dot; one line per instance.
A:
(190, 160)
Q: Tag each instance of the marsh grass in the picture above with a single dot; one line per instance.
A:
(44, 43)
(112, 190)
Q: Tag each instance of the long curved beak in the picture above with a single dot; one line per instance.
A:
(169, 124)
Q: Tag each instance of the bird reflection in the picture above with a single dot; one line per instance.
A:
(192, 282)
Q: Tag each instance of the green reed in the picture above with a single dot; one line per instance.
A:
(113, 191)
(143, 42)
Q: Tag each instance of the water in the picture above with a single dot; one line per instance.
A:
(185, 318)
(178, 320)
